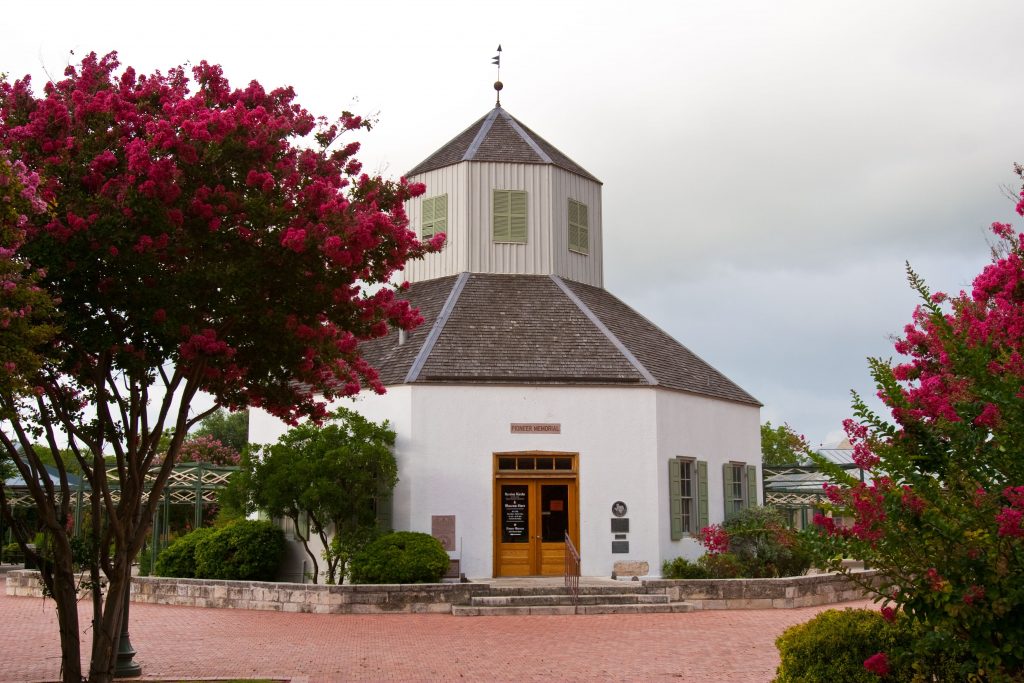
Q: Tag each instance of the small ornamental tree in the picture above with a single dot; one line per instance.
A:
(209, 450)
(782, 445)
(941, 513)
(195, 239)
(231, 429)
(331, 477)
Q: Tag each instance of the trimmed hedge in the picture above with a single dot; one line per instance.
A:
(835, 645)
(178, 560)
(400, 557)
(246, 550)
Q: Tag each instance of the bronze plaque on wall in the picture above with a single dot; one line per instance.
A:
(442, 527)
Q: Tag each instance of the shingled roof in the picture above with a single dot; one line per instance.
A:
(500, 137)
(537, 329)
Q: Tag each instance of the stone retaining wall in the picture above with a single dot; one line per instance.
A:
(797, 591)
(787, 593)
(283, 597)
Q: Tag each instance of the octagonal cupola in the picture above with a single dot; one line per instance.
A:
(510, 202)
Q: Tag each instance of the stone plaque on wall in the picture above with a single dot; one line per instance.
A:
(620, 547)
(620, 525)
(442, 527)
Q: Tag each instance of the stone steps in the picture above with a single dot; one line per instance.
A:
(533, 610)
(557, 600)
(550, 600)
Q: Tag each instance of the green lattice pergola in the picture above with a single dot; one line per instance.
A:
(190, 483)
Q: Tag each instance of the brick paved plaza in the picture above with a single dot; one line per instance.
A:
(195, 643)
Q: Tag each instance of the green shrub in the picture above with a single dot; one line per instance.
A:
(765, 546)
(682, 568)
(247, 550)
(11, 552)
(721, 566)
(834, 645)
(400, 557)
(179, 558)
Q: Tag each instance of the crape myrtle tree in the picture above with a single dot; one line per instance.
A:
(330, 477)
(195, 237)
(941, 513)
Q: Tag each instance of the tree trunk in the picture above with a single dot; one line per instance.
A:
(107, 633)
(66, 598)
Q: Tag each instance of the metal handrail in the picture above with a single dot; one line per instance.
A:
(572, 572)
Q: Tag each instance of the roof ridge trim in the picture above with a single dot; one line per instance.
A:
(436, 329)
(527, 138)
(604, 330)
(480, 135)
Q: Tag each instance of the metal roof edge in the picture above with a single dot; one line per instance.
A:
(437, 328)
(627, 354)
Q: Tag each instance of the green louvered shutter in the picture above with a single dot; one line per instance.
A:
(517, 229)
(435, 215)
(702, 495)
(574, 225)
(584, 229)
(751, 500)
(579, 230)
(501, 218)
(727, 489)
(675, 500)
(428, 218)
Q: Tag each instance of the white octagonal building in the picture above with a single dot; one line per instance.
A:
(532, 404)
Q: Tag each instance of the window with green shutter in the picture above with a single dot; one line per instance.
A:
(435, 216)
(579, 227)
(508, 216)
(688, 496)
(739, 487)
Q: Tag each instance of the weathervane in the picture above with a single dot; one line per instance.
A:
(496, 61)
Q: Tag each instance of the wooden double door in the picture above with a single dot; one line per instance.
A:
(532, 516)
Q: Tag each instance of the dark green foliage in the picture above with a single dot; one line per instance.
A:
(301, 476)
(244, 551)
(722, 566)
(834, 645)
(682, 568)
(12, 553)
(179, 558)
(764, 545)
(782, 446)
(348, 541)
(231, 429)
(400, 557)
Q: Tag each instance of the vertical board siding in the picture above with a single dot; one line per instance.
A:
(449, 180)
(585, 268)
(469, 186)
(487, 256)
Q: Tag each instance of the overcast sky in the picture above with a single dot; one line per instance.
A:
(768, 167)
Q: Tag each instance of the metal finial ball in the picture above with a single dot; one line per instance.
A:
(498, 86)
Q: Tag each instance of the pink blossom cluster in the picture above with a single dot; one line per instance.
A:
(863, 456)
(209, 450)
(878, 664)
(1011, 519)
(867, 504)
(715, 539)
(165, 180)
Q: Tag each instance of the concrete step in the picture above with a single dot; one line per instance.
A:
(549, 610)
(625, 588)
(562, 599)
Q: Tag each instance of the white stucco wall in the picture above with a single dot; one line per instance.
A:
(624, 436)
(704, 429)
